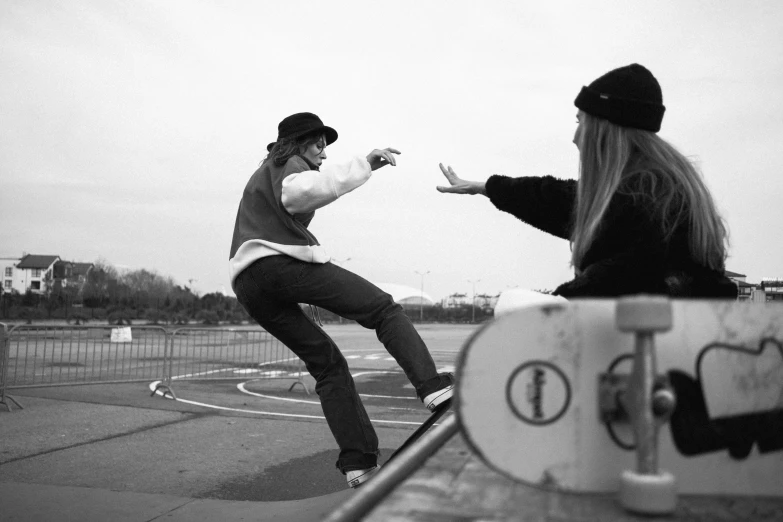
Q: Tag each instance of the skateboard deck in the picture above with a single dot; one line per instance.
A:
(422, 429)
(531, 385)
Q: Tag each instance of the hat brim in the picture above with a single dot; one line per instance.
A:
(330, 133)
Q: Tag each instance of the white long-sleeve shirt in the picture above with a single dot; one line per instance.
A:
(279, 202)
(312, 189)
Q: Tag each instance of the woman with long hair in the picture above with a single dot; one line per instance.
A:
(276, 263)
(640, 218)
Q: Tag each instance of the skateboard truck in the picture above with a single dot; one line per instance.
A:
(648, 401)
(614, 402)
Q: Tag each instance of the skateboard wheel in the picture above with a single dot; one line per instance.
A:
(648, 494)
(644, 313)
(663, 403)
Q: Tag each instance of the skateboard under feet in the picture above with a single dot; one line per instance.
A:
(421, 430)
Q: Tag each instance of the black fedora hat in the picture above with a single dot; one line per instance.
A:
(300, 124)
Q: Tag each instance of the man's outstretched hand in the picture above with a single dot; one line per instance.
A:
(381, 157)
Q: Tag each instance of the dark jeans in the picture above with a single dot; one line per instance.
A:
(272, 288)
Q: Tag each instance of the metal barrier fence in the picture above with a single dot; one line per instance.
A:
(210, 354)
(4, 358)
(41, 356)
(66, 355)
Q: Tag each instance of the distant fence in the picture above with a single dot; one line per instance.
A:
(208, 353)
(5, 399)
(40, 356)
(65, 355)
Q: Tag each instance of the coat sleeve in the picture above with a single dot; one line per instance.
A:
(304, 191)
(546, 202)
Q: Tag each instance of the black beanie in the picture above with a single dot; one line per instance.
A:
(629, 96)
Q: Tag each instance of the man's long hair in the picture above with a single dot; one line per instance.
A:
(285, 148)
(640, 163)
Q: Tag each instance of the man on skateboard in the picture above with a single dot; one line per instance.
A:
(276, 263)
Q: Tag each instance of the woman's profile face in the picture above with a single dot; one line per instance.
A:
(580, 116)
(315, 153)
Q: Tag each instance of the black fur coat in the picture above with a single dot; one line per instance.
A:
(629, 255)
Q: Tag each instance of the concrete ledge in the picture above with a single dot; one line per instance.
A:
(455, 484)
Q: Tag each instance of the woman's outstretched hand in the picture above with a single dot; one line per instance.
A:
(381, 157)
(460, 186)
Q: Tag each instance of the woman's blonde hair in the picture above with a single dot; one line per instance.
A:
(641, 164)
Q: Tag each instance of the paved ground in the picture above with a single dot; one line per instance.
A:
(234, 450)
(226, 450)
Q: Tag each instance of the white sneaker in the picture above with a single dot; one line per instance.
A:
(435, 399)
(358, 477)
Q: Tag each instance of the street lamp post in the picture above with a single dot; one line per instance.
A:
(474, 297)
(421, 296)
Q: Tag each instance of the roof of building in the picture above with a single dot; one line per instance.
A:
(36, 261)
(401, 292)
(729, 273)
(82, 268)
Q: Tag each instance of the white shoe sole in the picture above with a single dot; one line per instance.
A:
(359, 477)
(433, 400)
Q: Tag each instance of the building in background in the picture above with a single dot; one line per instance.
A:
(486, 301)
(62, 271)
(772, 288)
(406, 295)
(12, 278)
(456, 300)
(36, 272)
(41, 273)
(768, 290)
(70, 273)
(70, 277)
(744, 289)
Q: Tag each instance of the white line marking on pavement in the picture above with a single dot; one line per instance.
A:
(279, 361)
(355, 375)
(385, 396)
(241, 387)
(154, 384)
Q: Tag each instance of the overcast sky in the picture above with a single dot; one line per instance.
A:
(130, 128)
